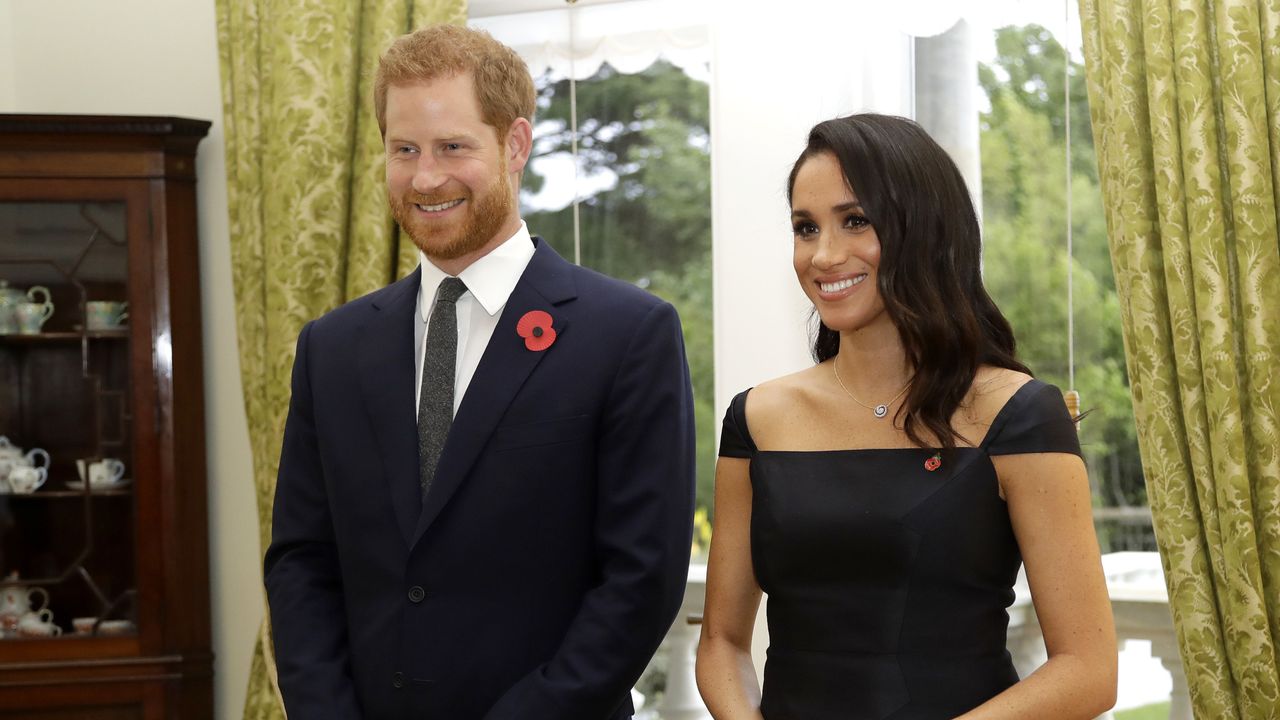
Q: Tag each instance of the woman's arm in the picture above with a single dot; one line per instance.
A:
(726, 676)
(1049, 505)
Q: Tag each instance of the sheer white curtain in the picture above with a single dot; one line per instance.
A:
(573, 41)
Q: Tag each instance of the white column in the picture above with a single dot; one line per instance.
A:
(946, 99)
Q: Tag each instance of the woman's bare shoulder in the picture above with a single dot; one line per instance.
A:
(993, 387)
(774, 403)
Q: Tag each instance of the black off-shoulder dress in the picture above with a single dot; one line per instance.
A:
(889, 582)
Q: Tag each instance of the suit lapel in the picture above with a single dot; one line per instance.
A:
(386, 369)
(503, 369)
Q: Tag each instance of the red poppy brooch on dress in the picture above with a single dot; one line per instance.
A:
(535, 328)
(934, 462)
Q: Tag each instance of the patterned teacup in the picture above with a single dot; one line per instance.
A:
(11, 298)
(105, 314)
(103, 473)
(32, 316)
(26, 479)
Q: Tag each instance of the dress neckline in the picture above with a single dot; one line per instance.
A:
(997, 422)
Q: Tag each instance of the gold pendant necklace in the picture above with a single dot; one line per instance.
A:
(881, 410)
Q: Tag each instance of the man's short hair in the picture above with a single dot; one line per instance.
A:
(503, 85)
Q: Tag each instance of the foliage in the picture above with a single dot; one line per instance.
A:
(1024, 216)
(1028, 71)
(652, 226)
(651, 131)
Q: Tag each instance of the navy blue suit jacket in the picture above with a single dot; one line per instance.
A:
(551, 554)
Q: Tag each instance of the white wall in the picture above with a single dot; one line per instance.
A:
(160, 57)
(6, 67)
(775, 75)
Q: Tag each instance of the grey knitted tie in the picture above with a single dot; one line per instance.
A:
(435, 408)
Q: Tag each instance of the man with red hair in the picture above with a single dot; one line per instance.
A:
(486, 484)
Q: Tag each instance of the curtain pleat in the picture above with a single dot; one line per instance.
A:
(1185, 105)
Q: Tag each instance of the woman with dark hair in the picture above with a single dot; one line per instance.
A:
(885, 497)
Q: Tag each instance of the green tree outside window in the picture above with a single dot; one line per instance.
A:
(1023, 143)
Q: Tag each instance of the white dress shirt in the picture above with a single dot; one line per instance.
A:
(490, 282)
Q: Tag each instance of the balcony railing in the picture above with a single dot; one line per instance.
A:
(1139, 602)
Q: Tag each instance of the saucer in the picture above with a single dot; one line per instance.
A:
(116, 627)
(85, 626)
(79, 485)
(39, 630)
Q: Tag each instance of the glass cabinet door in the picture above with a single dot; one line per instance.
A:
(67, 495)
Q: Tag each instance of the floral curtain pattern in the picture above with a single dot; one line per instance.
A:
(1185, 102)
(308, 212)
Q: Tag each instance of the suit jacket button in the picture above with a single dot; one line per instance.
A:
(397, 680)
(416, 594)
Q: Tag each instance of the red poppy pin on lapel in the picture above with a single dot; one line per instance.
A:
(933, 463)
(535, 328)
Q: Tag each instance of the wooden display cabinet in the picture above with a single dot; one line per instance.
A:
(101, 212)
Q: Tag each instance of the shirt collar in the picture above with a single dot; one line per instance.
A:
(490, 280)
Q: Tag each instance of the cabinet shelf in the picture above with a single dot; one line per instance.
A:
(63, 337)
(62, 494)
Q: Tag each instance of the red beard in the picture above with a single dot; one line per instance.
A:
(452, 238)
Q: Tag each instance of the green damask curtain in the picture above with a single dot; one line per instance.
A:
(1185, 100)
(309, 223)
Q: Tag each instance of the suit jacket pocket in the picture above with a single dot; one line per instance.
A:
(543, 432)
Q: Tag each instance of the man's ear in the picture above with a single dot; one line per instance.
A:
(519, 145)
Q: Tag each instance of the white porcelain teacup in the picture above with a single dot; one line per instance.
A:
(38, 624)
(25, 479)
(103, 473)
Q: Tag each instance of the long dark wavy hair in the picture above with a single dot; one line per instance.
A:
(930, 274)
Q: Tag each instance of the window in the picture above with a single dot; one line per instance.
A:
(1025, 215)
(642, 172)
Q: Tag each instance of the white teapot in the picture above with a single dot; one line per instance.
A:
(8, 449)
(17, 601)
(11, 456)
